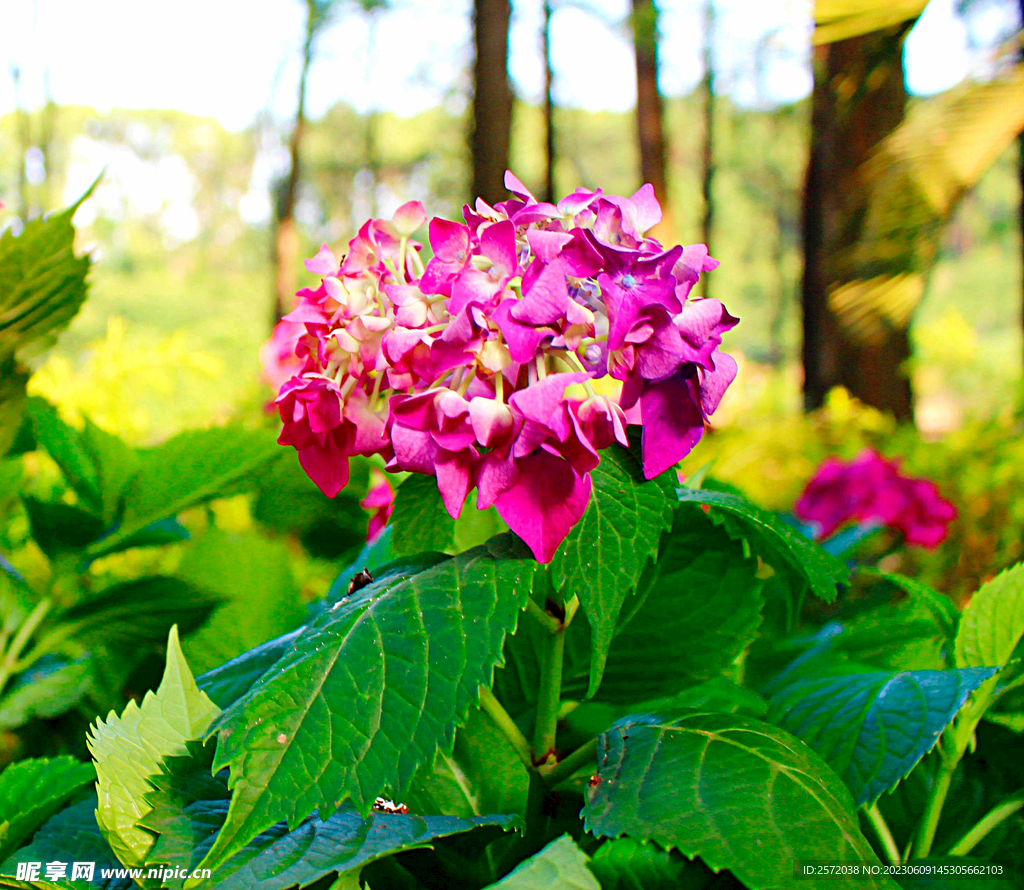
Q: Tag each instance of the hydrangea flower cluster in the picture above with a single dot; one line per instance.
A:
(871, 489)
(477, 366)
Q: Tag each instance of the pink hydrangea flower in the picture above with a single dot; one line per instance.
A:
(476, 368)
(871, 489)
(279, 360)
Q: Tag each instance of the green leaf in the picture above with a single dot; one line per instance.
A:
(70, 836)
(627, 864)
(33, 790)
(324, 726)
(188, 807)
(421, 524)
(115, 463)
(190, 469)
(561, 865)
(698, 610)
(780, 544)
(873, 728)
(993, 622)
(128, 751)
(46, 693)
(65, 445)
(133, 614)
(374, 556)
(42, 282)
(260, 598)
(901, 636)
(603, 556)
(229, 682)
(739, 793)
(58, 528)
(481, 775)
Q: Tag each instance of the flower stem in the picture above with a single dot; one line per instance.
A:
(885, 838)
(28, 627)
(506, 725)
(546, 620)
(570, 764)
(930, 819)
(999, 813)
(549, 694)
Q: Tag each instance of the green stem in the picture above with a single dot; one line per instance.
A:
(930, 820)
(549, 694)
(546, 620)
(885, 838)
(994, 817)
(506, 725)
(569, 765)
(28, 627)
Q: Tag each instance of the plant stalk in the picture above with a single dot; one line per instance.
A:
(549, 695)
(24, 634)
(885, 838)
(999, 813)
(930, 819)
(506, 726)
(569, 765)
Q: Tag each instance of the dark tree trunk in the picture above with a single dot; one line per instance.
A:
(650, 127)
(549, 109)
(492, 99)
(858, 99)
(708, 152)
(286, 235)
(1020, 171)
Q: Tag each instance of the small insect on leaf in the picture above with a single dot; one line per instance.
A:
(359, 581)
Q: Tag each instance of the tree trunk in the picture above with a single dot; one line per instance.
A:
(650, 127)
(549, 110)
(492, 99)
(286, 236)
(1020, 170)
(708, 152)
(858, 99)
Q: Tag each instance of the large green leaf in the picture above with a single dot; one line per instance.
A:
(59, 528)
(189, 469)
(128, 751)
(699, 610)
(421, 523)
(46, 692)
(872, 728)
(993, 622)
(627, 864)
(261, 599)
(42, 282)
(229, 682)
(603, 556)
(739, 793)
(129, 614)
(65, 445)
(70, 836)
(481, 775)
(33, 790)
(188, 807)
(561, 865)
(778, 543)
(369, 691)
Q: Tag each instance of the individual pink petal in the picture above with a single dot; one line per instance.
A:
(646, 209)
(326, 466)
(498, 244)
(543, 400)
(544, 503)
(454, 471)
(409, 217)
(324, 263)
(547, 298)
(492, 421)
(672, 424)
(546, 244)
(715, 383)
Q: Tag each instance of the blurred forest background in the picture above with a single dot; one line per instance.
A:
(869, 236)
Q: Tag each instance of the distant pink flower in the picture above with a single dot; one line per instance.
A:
(871, 489)
(278, 359)
(380, 501)
(476, 369)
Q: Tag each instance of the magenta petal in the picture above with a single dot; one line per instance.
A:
(545, 502)
(545, 244)
(672, 424)
(513, 184)
(547, 298)
(716, 382)
(522, 340)
(498, 244)
(540, 401)
(326, 466)
(323, 263)
(449, 240)
(409, 217)
(646, 209)
(453, 475)
(495, 474)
